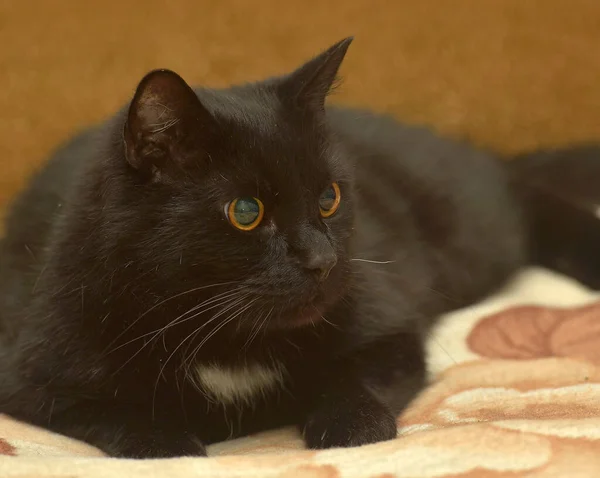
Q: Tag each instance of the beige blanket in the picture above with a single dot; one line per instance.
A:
(515, 392)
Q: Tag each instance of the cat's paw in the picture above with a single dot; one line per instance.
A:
(158, 446)
(349, 421)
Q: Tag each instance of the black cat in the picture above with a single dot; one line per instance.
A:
(209, 263)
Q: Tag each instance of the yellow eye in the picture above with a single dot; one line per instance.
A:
(329, 202)
(245, 213)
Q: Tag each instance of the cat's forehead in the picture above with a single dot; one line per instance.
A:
(272, 142)
(243, 106)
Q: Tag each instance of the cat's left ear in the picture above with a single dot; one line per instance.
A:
(167, 126)
(310, 84)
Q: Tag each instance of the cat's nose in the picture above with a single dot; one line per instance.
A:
(321, 263)
(314, 251)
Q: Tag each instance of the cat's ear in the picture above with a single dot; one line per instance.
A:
(166, 124)
(310, 84)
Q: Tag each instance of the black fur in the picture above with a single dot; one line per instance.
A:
(119, 269)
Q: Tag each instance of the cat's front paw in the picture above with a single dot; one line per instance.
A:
(157, 446)
(349, 421)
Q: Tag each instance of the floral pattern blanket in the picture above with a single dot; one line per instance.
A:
(515, 392)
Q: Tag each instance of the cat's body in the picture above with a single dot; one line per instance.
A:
(136, 317)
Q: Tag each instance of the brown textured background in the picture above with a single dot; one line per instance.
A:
(511, 74)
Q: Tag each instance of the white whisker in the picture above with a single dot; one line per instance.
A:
(255, 333)
(189, 291)
(157, 334)
(255, 327)
(194, 333)
(225, 322)
(177, 321)
(372, 262)
(229, 306)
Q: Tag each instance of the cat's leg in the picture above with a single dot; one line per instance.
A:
(124, 430)
(360, 401)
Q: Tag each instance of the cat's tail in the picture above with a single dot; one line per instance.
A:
(560, 191)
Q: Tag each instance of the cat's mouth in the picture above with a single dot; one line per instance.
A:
(305, 315)
(311, 315)
(302, 307)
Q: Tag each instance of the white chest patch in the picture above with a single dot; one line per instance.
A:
(239, 385)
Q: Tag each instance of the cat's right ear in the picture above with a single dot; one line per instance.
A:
(166, 127)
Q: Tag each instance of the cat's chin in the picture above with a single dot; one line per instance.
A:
(306, 317)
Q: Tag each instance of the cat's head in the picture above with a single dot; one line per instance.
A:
(250, 190)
